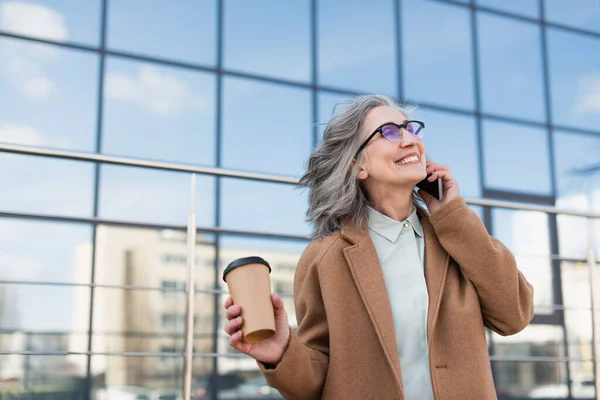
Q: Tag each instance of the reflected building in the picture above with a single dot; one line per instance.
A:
(226, 86)
(146, 311)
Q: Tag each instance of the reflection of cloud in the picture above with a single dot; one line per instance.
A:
(158, 90)
(26, 61)
(31, 19)
(38, 87)
(22, 134)
(588, 99)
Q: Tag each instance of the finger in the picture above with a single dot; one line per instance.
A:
(277, 302)
(425, 196)
(228, 302)
(236, 340)
(233, 326)
(233, 311)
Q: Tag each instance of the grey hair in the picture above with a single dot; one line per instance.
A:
(336, 195)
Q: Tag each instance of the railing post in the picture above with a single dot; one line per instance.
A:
(190, 291)
(591, 260)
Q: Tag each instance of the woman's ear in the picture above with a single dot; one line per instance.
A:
(362, 173)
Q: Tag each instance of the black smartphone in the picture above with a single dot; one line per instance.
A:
(433, 188)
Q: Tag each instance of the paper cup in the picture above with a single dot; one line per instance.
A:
(249, 285)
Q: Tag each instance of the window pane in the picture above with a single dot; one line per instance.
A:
(253, 384)
(585, 14)
(511, 67)
(451, 140)
(537, 380)
(266, 127)
(62, 21)
(184, 32)
(272, 43)
(574, 62)
(48, 95)
(577, 171)
(45, 377)
(152, 257)
(578, 314)
(510, 164)
(328, 107)
(152, 196)
(525, 233)
(147, 321)
(45, 185)
(159, 112)
(533, 341)
(44, 318)
(528, 8)
(144, 378)
(264, 207)
(44, 251)
(437, 54)
(357, 49)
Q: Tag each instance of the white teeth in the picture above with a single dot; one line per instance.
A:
(408, 160)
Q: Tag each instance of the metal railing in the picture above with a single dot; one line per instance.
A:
(220, 172)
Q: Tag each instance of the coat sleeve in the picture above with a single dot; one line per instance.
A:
(505, 296)
(301, 373)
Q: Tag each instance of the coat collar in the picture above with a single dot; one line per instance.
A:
(365, 268)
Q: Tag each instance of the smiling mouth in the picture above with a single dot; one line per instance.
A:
(408, 160)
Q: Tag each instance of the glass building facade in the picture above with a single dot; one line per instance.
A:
(92, 254)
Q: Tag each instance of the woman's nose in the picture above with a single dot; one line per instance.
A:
(407, 139)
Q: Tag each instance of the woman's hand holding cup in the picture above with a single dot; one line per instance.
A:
(268, 351)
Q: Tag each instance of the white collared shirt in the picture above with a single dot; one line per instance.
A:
(400, 249)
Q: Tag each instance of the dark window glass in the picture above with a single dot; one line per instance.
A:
(516, 158)
(269, 39)
(511, 67)
(436, 53)
(185, 31)
(527, 8)
(356, 48)
(585, 14)
(451, 140)
(574, 62)
(266, 127)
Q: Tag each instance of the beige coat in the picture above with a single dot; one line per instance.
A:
(345, 347)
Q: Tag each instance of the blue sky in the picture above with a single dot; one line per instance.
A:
(48, 98)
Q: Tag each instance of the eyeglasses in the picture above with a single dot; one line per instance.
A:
(393, 132)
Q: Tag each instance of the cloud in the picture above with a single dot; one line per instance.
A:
(21, 134)
(38, 87)
(155, 89)
(26, 62)
(588, 98)
(30, 19)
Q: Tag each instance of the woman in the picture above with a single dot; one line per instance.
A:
(391, 299)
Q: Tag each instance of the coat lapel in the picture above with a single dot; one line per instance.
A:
(436, 269)
(366, 270)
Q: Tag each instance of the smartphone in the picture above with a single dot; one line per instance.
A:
(433, 188)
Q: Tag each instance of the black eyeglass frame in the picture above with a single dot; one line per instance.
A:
(379, 130)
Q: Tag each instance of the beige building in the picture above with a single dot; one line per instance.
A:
(150, 320)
